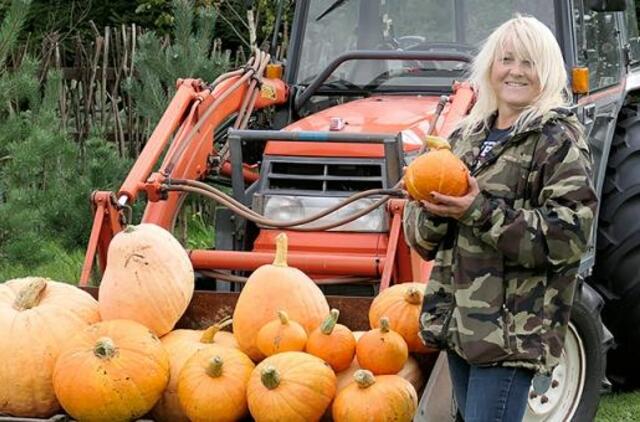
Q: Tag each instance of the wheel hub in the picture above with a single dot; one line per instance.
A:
(560, 401)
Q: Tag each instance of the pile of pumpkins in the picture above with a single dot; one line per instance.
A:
(119, 358)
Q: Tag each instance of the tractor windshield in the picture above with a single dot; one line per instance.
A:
(335, 27)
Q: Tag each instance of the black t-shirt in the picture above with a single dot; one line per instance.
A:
(493, 138)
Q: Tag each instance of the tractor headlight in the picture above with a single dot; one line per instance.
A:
(289, 208)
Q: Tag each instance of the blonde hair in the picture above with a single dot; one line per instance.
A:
(531, 40)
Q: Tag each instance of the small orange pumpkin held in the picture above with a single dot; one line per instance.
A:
(181, 345)
(380, 398)
(36, 316)
(281, 335)
(381, 350)
(436, 171)
(212, 384)
(149, 278)
(292, 387)
(111, 371)
(333, 342)
(272, 288)
(402, 304)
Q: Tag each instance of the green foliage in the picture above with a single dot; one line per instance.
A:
(160, 12)
(189, 55)
(45, 178)
(46, 182)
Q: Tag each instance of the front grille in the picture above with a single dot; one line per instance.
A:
(331, 177)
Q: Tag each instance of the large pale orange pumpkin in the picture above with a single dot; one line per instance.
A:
(382, 350)
(111, 371)
(436, 171)
(380, 398)
(281, 335)
(333, 342)
(149, 278)
(292, 387)
(272, 288)
(36, 316)
(181, 345)
(212, 384)
(402, 304)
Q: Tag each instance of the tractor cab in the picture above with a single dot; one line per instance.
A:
(414, 47)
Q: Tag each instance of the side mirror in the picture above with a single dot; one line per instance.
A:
(608, 5)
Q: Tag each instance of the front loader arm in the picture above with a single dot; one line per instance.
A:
(191, 118)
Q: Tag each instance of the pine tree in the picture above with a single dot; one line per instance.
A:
(44, 183)
(189, 54)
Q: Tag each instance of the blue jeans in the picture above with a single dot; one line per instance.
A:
(489, 394)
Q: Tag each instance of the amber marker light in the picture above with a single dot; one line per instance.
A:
(580, 80)
(274, 71)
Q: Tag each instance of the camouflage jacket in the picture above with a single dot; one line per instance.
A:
(504, 275)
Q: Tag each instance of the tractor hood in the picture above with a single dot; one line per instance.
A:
(410, 115)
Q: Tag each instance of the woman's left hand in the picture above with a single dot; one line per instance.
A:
(453, 206)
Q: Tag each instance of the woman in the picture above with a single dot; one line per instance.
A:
(507, 253)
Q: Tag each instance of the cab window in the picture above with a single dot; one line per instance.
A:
(598, 44)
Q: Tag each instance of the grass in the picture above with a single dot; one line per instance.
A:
(65, 268)
(623, 407)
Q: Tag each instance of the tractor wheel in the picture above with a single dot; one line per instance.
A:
(618, 255)
(576, 381)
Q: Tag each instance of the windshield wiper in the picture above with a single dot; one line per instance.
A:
(343, 84)
(331, 8)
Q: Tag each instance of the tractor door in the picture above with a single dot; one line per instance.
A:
(600, 49)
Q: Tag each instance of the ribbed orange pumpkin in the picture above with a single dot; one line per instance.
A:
(436, 171)
(402, 304)
(410, 371)
(181, 345)
(36, 316)
(281, 335)
(380, 398)
(272, 288)
(332, 342)
(149, 278)
(111, 371)
(381, 350)
(292, 387)
(212, 384)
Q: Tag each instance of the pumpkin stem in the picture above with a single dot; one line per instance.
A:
(130, 228)
(270, 377)
(281, 250)
(384, 325)
(104, 348)
(214, 369)
(209, 334)
(413, 296)
(329, 322)
(284, 318)
(29, 296)
(364, 378)
(436, 142)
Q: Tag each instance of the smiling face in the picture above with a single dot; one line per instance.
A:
(514, 81)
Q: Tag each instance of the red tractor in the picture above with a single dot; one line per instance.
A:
(317, 151)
